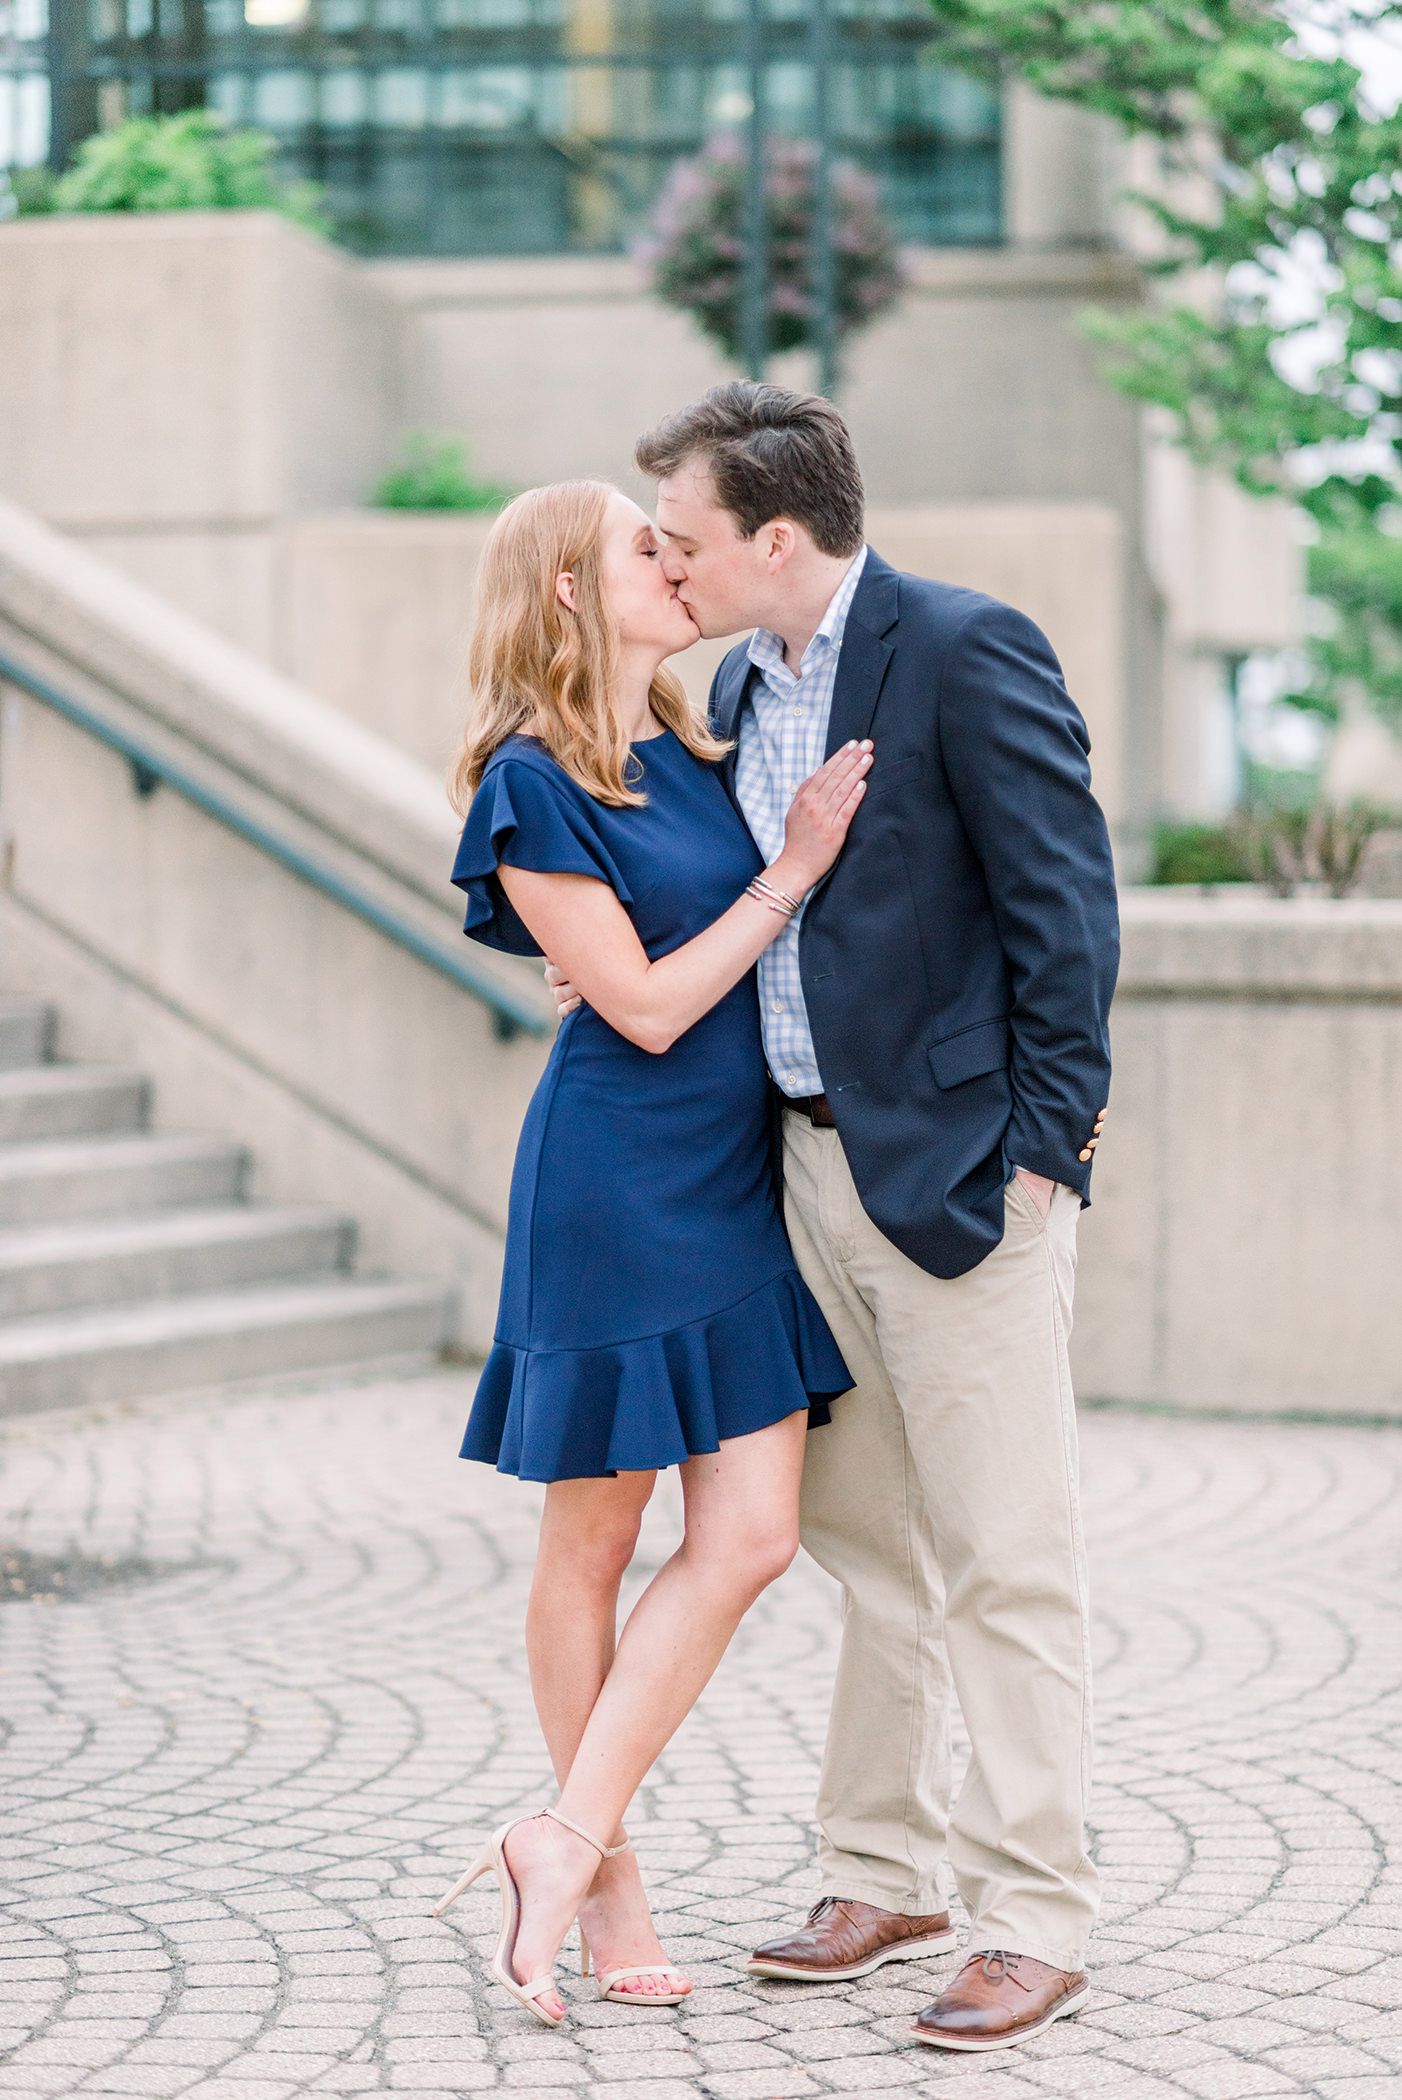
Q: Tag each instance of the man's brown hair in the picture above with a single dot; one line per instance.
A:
(771, 454)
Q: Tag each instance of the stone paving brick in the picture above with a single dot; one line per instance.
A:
(239, 2089)
(1357, 2089)
(428, 2078)
(232, 1796)
(759, 2085)
(72, 2049)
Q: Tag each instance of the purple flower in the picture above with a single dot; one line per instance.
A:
(694, 251)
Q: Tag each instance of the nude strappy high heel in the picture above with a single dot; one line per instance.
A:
(609, 1981)
(502, 1964)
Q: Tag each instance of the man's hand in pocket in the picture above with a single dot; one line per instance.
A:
(1038, 1186)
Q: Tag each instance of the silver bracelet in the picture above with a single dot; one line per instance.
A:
(770, 891)
(785, 910)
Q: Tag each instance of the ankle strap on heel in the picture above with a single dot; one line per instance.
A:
(604, 1851)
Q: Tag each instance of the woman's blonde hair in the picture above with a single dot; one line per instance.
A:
(537, 668)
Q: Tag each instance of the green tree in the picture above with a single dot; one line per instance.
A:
(1292, 177)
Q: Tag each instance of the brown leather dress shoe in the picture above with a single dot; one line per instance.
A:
(998, 2000)
(844, 1938)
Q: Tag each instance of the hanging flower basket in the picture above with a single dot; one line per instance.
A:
(696, 250)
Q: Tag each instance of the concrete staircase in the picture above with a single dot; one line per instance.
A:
(130, 1263)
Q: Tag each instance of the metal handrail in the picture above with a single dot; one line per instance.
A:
(511, 1016)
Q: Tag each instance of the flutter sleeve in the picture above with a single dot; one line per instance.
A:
(526, 817)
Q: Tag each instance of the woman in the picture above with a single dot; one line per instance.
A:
(651, 1314)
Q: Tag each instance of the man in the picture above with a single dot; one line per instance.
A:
(935, 1023)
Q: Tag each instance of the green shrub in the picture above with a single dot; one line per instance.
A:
(1323, 844)
(189, 162)
(1279, 846)
(434, 476)
(25, 191)
(1197, 853)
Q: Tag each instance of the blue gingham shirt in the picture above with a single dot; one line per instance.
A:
(783, 732)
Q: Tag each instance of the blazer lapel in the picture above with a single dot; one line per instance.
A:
(728, 699)
(865, 654)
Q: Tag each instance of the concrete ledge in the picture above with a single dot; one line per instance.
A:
(1245, 1242)
(426, 282)
(1242, 943)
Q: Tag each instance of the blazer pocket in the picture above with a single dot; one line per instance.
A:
(892, 773)
(972, 1052)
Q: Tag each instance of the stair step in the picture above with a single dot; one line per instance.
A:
(95, 1177)
(59, 1101)
(108, 1261)
(26, 1032)
(174, 1344)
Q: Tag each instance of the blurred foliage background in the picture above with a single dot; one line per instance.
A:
(1274, 347)
(193, 161)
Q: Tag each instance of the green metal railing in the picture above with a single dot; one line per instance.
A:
(511, 1016)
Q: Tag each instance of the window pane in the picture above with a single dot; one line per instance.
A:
(401, 99)
(501, 126)
(345, 98)
(282, 99)
(491, 98)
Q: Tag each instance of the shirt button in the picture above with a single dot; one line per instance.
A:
(798, 710)
(776, 1008)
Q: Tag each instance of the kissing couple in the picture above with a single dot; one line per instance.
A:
(794, 1207)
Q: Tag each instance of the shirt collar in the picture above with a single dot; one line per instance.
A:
(766, 649)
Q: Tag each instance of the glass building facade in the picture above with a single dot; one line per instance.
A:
(507, 127)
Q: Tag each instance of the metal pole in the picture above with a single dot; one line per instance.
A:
(60, 111)
(754, 278)
(823, 255)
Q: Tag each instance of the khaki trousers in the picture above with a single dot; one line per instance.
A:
(943, 1497)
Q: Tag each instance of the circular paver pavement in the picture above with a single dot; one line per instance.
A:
(262, 1682)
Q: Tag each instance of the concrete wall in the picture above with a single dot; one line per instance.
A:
(1365, 757)
(374, 609)
(1063, 170)
(1229, 572)
(265, 1010)
(1245, 1241)
(204, 371)
(978, 385)
(184, 391)
(176, 383)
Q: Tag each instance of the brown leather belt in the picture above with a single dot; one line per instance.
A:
(816, 1107)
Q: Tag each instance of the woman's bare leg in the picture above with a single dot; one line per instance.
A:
(588, 1533)
(741, 1532)
(587, 1538)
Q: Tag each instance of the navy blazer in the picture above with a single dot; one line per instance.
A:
(958, 961)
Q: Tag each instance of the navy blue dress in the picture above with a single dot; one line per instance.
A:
(650, 1305)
